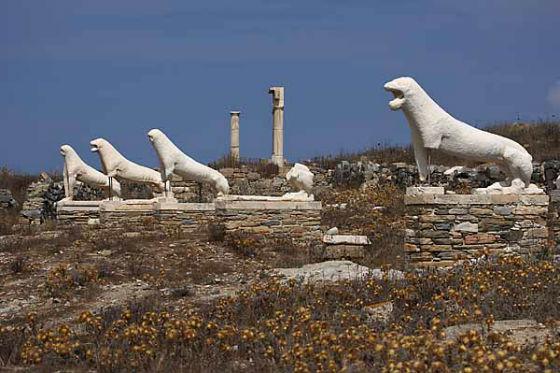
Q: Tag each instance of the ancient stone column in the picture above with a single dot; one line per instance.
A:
(234, 135)
(277, 125)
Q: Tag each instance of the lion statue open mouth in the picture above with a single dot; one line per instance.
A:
(116, 165)
(434, 129)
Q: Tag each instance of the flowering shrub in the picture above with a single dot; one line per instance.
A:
(291, 326)
(63, 278)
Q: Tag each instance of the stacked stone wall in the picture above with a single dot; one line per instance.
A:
(188, 219)
(444, 228)
(300, 221)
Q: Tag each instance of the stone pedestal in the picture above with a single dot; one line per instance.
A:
(234, 135)
(442, 229)
(297, 220)
(78, 212)
(277, 125)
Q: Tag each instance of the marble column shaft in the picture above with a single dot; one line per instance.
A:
(234, 135)
(277, 125)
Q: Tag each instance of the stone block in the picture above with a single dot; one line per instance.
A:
(536, 233)
(442, 226)
(434, 234)
(458, 211)
(467, 217)
(512, 235)
(466, 227)
(530, 210)
(436, 218)
(448, 241)
(346, 239)
(409, 233)
(344, 251)
(535, 200)
(432, 248)
(481, 238)
(410, 248)
(478, 211)
(422, 190)
(503, 210)
(495, 224)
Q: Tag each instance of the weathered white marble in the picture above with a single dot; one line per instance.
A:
(301, 196)
(277, 125)
(419, 190)
(76, 170)
(515, 187)
(174, 161)
(234, 135)
(454, 170)
(434, 129)
(300, 177)
(332, 231)
(115, 165)
(339, 239)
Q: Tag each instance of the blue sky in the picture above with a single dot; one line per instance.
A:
(74, 70)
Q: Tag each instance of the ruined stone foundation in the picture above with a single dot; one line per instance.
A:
(444, 228)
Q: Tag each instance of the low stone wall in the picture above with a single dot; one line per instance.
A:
(191, 219)
(300, 221)
(131, 215)
(78, 213)
(444, 228)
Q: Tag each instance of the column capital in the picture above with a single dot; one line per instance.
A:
(277, 97)
(234, 113)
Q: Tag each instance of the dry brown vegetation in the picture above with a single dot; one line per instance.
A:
(277, 326)
(263, 166)
(377, 212)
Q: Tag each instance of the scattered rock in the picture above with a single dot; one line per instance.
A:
(336, 270)
(332, 231)
(336, 239)
(380, 311)
(522, 332)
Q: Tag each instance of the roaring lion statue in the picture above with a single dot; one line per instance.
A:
(75, 169)
(434, 129)
(115, 165)
(174, 161)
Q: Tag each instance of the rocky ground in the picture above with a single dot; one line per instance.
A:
(58, 275)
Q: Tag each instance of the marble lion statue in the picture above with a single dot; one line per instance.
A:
(174, 161)
(76, 170)
(434, 129)
(300, 178)
(115, 165)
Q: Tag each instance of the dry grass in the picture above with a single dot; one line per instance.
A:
(263, 166)
(275, 326)
(16, 183)
(377, 212)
